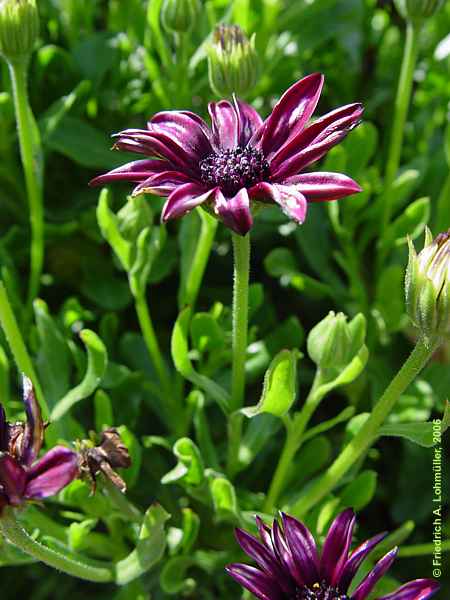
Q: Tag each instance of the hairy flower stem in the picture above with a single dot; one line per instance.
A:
(200, 260)
(402, 101)
(18, 347)
(295, 428)
(175, 416)
(31, 155)
(16, 535)
(367, 435)
(241, 250)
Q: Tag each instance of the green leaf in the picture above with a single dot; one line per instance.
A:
(180, 356)
(103, 411)
(173, 578)
(424, 434)
(109, 226)
(149, 549)
(131, 474)
(224, 499)
(207, 335)
(280, 386)
(343, 416)
(97, 360)
(360, 147)
(360, 491)
(410, 223)
(52, 117)
(390, 285)
(190, 527)
(189, 469)
(148, 246)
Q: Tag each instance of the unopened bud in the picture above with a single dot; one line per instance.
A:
(19, 28)
(232, 61)
(427, 286)
(179, 15)
(334, 342)
(418, 10)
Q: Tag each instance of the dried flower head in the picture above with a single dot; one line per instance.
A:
(109, 455)
(242, 159)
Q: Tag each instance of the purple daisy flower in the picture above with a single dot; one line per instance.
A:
(290, 567)
(21, 478)
(241, 159)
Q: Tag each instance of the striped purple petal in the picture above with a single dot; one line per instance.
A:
(225, 124)
(323, 186)
(419, 589)
(255, 581)
(303, 549)
(135, 171)
(368, 583)
(356, 558)
(34, 429)
(291, 113)
(162, 184)
(187, 128)
(234, 211)
(336, 547)
(12, 479)
(183, 199)
(291, 201)
(51, 473)
(250, 123)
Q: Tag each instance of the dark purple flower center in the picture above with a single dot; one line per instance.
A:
(232, 170)
(320, 591)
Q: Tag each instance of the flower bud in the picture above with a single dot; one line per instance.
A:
(334, 342)
(179, 15)
(19, 28)
(232, 61)
(427, 286)
(417, 10)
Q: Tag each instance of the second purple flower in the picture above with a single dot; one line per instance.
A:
(241, 158)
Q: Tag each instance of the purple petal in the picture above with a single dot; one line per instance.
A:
(336, 547)
(235, 211)
(264, 558)
(368, 583)
(264, 533)
(34, 429)
(290, 200)
(187, 128)
(135, 171)
(225, 124)
(323, 186)
(183, 199)
(285, 555)
(51, 473)
(419, 589)
(249, 122)
(303, 548)
(162, 184)
(255, 581)
(342, 119)
(291, 113)
(355, 560)
(12, 479)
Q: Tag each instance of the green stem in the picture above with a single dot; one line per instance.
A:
(31, 154)
(295, 428)
(201, 256)
(443, 206)
(422, 549)
(18, 348)
(16, 535)
(401, 106)
(127, 509)
(368, 433)
(175, 414)
(241, 250)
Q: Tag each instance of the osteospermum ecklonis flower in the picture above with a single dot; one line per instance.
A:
(241, 159)
(22, 476)
(289, 566)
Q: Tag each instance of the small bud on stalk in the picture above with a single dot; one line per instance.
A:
(179, 15)
(427, 286)
(417, 10)
(334, 342)
(19, 28)
(232, 61)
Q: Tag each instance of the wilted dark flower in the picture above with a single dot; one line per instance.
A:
(21, 478)
(290, 567)
(110, 454)
(241, 159)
